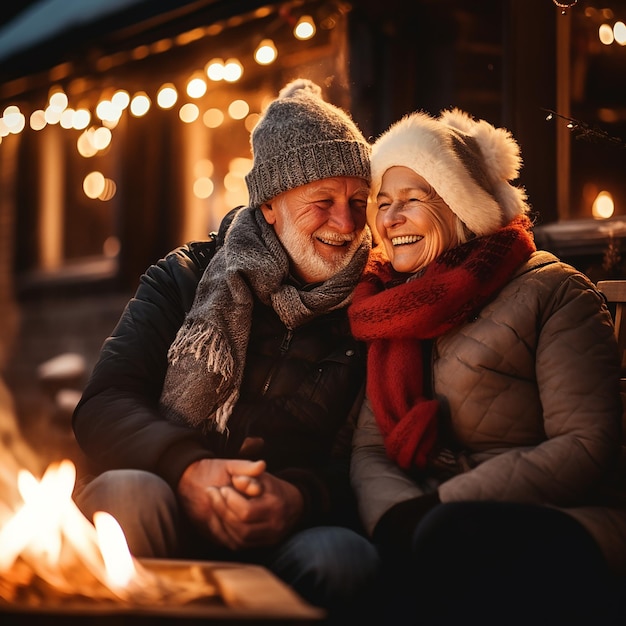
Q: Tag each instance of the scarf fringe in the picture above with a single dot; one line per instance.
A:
(223, 412)
(212, 342)
(205, 343)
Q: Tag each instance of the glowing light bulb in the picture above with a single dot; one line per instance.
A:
(196, 87)
(215, 69)
(81, 119)
(266, 52)
(37, 120)
(189, 113)
(58, 101)
(238, 109)
(167, 96)
(93, 184)
(233, 70)
(603, 206)
(305, 28)
(619, 32)
(213, 118)
(121, 99)
(140, 104)
(605, 33)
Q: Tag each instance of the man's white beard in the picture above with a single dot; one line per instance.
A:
(306, 259)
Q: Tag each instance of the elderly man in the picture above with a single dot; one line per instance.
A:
(219, 411)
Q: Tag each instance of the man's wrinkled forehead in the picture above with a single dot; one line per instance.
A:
(348, 184)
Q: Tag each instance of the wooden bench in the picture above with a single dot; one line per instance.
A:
(615, 293)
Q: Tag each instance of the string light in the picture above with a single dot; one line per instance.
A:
(58, 101)
(167, 96)
(619, 33)
(203, 187)
(582, 130)
(106, 110)
(66, 118)
(37, 120)
(140, 104)
(109, 110)
(93, 184)
(605, 34)
(196, 87)
(603, 206)
(189, 113)
(304, 28)
(85, 144)
(121, 99)
(238, 109)
(215, 69)
(266, 52)
(52, 115)
(12, 117)
(564, 5)
(233, 70)
(81, 118)
(213, 118)
(102, 138)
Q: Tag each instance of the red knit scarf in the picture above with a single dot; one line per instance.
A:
(394, 318)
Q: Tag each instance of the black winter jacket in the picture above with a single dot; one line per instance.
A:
(300, 394)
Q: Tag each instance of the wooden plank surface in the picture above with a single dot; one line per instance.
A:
(246, 594)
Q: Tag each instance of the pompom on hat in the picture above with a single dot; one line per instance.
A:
(468, 162)
(300, 139)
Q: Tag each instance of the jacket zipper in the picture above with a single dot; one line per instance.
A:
(284, 347)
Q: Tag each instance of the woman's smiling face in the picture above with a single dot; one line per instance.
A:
(414, 223)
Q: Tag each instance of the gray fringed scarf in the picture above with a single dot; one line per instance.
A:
(207, 357)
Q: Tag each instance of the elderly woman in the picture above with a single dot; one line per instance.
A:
(484, 451)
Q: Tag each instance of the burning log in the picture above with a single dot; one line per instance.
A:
(50, 551)
(53, 560)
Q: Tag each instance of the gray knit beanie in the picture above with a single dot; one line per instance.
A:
(300, 139)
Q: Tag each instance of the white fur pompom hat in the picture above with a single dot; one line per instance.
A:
(468, 162)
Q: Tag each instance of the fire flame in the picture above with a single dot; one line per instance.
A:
(118, 561)
(48, 549)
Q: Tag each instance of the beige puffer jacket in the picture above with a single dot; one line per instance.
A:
(530, 389)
